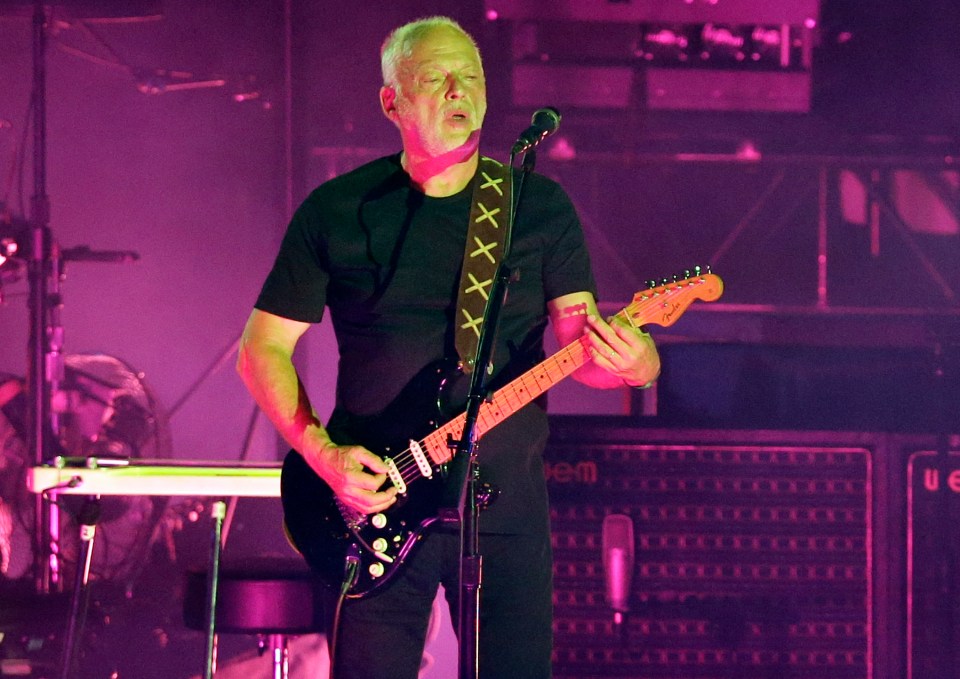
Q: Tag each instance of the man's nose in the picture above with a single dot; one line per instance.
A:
(455, 87)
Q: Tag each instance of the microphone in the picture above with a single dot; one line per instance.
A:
(543, 123)
(617, 539)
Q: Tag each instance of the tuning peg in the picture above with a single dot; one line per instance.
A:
(651, 284)
(664, 281)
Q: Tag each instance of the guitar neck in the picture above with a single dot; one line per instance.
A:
(661, 305)
(510, 398)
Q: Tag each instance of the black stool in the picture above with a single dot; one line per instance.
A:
(272, 598)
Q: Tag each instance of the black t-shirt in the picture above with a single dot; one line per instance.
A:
(385, 259)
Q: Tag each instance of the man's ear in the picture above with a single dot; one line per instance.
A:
(388, 102)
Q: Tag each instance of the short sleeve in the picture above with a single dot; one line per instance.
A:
(566, 263)
(296, 286)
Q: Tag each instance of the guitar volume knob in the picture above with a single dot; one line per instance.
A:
(379, 545)
(375, 569)
(379, 520)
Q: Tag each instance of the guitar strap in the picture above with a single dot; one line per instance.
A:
(492, 193)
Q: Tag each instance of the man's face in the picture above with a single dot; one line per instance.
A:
(441, 97)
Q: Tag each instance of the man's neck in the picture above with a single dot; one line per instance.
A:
(441, 176)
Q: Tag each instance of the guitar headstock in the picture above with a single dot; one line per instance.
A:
(662, 304)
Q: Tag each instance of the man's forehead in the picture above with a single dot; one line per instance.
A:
(441, 44)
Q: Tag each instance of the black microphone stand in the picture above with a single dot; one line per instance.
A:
(87, 521)
(45, 364)
(464, 473)
(45, 361)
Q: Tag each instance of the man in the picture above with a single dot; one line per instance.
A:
(382, 248)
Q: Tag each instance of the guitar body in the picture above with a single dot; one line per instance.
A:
(328, 533)
(318, 524)
(314, 522)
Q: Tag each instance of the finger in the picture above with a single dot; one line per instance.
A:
(630, 335)
(604, 341)
(629, 342)
(365, 481)
(385, 501)
(596, 330)
(605, 357)
(623, 330)
(600, 351)
(612, 332)
(370, 502)
(599, 326)
(369, 460)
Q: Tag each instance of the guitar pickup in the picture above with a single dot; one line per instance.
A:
(396, 478)
(421, 458)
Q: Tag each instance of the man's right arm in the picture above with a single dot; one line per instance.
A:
(265, 364)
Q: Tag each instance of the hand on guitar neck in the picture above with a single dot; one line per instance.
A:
(622, 352)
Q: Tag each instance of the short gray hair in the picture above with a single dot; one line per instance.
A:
(399, 44)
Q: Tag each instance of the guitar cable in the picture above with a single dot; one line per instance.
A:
(351, 569)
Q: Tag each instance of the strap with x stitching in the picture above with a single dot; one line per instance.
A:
(482, 253)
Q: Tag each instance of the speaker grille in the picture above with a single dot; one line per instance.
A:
(933, 564)
(751, 560)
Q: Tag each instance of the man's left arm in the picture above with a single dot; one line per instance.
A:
(622, 355)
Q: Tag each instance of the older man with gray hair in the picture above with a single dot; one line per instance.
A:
(382, 247)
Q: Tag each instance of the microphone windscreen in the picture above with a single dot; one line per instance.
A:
(617, 545)
(547, 119)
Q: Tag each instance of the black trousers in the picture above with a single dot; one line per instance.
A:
(382, 635)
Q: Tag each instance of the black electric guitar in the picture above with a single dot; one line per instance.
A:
(326, 531)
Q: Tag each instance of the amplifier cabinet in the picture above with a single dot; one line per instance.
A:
(752, 557)
(933, 564)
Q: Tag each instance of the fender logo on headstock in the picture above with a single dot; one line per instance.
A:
(669, 314)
